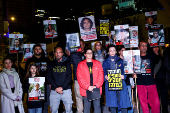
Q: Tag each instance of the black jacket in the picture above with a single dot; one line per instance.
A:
(59, 74)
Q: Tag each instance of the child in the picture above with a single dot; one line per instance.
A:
(33, 106)
(115, 99)
(11, 89)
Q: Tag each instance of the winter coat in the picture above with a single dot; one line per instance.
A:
(111, 96)
(83, 76)
(100, 57)
(7, 97)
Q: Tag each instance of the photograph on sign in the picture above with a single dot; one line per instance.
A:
(133, 30)
(87, 28)
(50, 28)
(150, 18)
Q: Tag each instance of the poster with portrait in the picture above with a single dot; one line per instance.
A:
(132, 61)
(28, 51)
(146, 67)
(50, 28)
(73, 42)
(92, 45)
(87, 28)
(156, 35)
(16, 43)
(122, 35)
(115, 81)
(36, 89)
(133, 30)
(150, 18)
(104, 27)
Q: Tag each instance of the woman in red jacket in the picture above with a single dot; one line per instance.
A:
(90, 76)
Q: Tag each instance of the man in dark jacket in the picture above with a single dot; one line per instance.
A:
(59, 77)
(41, 62)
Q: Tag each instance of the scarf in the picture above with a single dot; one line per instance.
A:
(16, 83)
(99, 52)
(112, 63)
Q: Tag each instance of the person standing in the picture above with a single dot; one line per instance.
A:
(115, 99)
(90, 76)
(146, 87)
(33, 106)
(76, 58)
(60, 77)
(11, 89)
(39, 59)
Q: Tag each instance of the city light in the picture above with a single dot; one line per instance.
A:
(12, 18)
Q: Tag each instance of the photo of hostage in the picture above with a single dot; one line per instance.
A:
(134, 34)
(86, 24)
(72, 40)
(16, 45)
(35, 92)
(28, 54)
(156, 38)
(149, 21)
(50, 30)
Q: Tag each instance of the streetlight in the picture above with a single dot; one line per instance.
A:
(12, 18)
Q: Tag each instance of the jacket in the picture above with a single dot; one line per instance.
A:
(111, 96)
(59, 74)
(83, 76)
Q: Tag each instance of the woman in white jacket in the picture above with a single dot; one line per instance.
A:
(11, 89)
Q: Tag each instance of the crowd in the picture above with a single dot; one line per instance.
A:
(90, 76)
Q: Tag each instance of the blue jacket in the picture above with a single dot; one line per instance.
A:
(111, 96)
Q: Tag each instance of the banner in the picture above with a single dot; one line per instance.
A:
(115, 81)
(150, 18)
(133, 30)
(36, 90)
(122, 35)
(50, 28)
(16, 43)
(156, 35)
(104, 27)
(73, 42)
(87, 28)
(132, 61)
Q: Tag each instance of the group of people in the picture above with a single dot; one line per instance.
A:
(90, 74)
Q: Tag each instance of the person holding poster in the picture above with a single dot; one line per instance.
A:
(129, 80)
(90, 78)
(146, 87)
(33, 106)
(120, 98)
(87, 28)
(76, 58)
(11, 89)
(39, 59)
(59, 77)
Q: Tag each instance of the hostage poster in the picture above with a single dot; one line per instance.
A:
(132, 61)
(73, 42)
(115, 81)
(104, 27)
(133, 30)
(87, 28)
(150, 18)
(36, 90)
(28, 51)
(50, 28)
(16, 43)
(156, 35)
(122, 35)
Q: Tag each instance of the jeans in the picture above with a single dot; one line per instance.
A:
(113, 110)
(148, 94)
(46, 103)
(79, 99)
(35, 110)
(130, 110)
(87, 105)
(66, 97)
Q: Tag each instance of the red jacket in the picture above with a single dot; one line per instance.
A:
(83, 76)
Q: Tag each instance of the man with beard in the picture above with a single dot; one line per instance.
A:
(59, 77)
(16, 45)
(39, 59)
